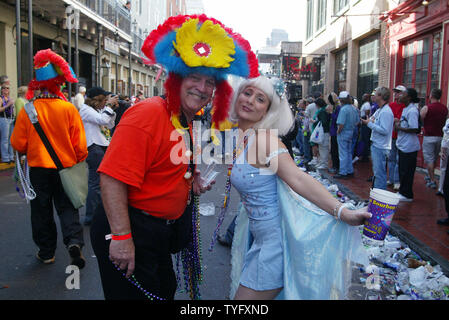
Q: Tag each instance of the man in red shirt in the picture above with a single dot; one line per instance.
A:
(393, 164)
(434, 117)
(148, 176)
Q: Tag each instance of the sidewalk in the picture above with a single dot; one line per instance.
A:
(414, 222)
(4, 166)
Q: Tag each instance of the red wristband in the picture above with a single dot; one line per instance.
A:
(122, 237)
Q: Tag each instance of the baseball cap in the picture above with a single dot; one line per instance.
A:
(96, 91)
(343, 95)
(400, 88)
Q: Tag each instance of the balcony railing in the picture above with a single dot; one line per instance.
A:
(112, 11)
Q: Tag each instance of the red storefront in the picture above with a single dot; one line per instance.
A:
(418, 36)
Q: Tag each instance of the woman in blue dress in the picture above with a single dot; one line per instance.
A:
(293, 239)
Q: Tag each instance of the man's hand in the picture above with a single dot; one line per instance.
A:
(122, 254)
(198, 189)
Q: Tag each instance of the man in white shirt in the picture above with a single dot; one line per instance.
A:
(98, 118)
(407, 142)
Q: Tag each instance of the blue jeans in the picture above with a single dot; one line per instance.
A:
(379, 158)
(93, 160)
(300, 141)
(307, 147)
(6, 127)
(355, 138)
(393, 163)
(345, 155)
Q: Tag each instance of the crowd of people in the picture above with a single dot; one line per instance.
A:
(383, 130)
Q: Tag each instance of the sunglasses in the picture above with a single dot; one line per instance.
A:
(5, 88)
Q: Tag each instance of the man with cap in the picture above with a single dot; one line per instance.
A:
(407, 142)
(393, 157)
(98, 118)
(148, 179)
(347, 120)
(64, 129)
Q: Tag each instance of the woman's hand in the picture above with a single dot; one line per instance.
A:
(355, 217)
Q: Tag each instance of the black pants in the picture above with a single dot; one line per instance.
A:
(49, 191)
(446, 189)
(334, 153)
(94, 158)
(365, 133)
(407, 167)
(153, 261)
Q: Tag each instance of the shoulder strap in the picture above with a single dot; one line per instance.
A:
(32, 114)
(275, 154)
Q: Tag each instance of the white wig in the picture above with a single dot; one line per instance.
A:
(279, 115)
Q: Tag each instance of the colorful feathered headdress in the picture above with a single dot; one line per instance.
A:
(188, 44)
(51, 71)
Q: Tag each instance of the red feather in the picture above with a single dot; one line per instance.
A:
(41, 59)
(173, 23)
(222, 102)
(172, 91)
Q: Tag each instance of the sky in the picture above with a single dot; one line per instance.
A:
(254, 19)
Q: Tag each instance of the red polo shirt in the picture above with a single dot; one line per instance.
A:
(143, 155)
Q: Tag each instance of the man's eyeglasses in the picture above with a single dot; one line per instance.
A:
(5, 88)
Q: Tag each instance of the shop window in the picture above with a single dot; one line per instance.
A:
(368, 77)
(341, 64)
(340, 5)
(309, 26)
(321, 14)
(421, 60)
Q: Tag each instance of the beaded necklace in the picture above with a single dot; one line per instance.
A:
(235, 154)
(191, 256)
(136, 283)
(47, 95)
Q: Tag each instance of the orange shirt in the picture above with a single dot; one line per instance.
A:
(147, 154)
(62, 124)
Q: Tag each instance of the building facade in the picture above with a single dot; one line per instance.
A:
(345, 45)
(418, 37)
(101, 39)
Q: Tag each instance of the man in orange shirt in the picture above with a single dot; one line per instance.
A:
(148, 182)
(64, 129)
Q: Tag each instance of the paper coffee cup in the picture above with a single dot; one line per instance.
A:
(382, 205)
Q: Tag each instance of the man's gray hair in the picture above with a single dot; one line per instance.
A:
(384, 93)
(82, 89)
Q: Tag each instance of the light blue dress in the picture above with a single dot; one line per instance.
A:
(263, 264)
(281, 240)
